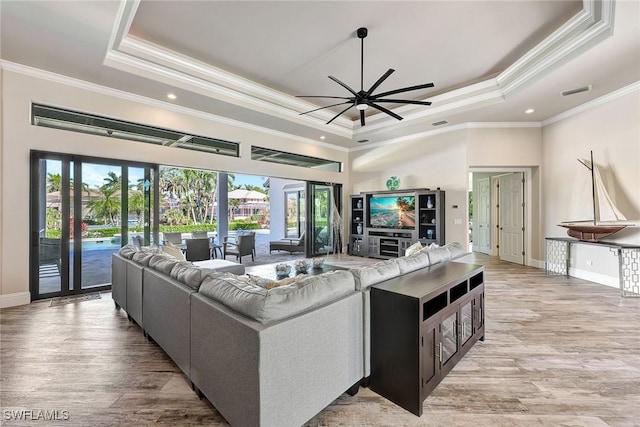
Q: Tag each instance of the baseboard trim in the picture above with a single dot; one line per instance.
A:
(594, 277)
(536, 263)
(12, 300)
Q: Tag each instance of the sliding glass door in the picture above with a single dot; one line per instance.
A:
(82, 211)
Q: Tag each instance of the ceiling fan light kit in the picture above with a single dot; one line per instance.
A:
(362, 99)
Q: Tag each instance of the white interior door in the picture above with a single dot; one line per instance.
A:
(484, 215)
(511, 224)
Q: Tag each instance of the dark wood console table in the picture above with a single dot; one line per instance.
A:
(422, 323)
(558, 255)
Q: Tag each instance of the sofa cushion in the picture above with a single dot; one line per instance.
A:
(221, 265)
(376, 273)
(190, 275)
(127, 251)
(438, 255)
(267, 305)
(414, 262)
(416, 247)
(143, 257)
(163, 263)
(456, 250)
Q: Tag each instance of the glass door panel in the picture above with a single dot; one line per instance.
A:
(137, 218)
(49, 226)
(466, 314)
(323, 213)
(99, 222)
(449, 337)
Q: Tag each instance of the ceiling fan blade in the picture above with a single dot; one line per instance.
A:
(384, 110)
(343, 85)
(328, 106)
(339, 114)
(404, 89)
(380, 80)
(404, 101)
(321, 96)
(361, 117)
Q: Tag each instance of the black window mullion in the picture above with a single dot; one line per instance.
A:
(77, 225)
(65, 227)
(124, 205)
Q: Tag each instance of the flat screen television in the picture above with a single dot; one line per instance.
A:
(398, 212)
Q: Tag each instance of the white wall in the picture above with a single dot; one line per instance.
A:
(439, 161)
(19, 137)
(612, 131)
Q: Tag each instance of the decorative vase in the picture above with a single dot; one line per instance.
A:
(429, 234)
(359, 229)
(301, 266)
(393, 183)
(429, 203)
(359, 204)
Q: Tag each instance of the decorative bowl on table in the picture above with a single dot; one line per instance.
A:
(301, 266)
(317, 262)
(283, 269)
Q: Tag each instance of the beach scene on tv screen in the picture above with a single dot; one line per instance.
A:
(392, 212)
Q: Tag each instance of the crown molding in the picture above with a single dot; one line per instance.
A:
(448, 129)
(103, 90)
(626, 90)
(584, 30)
(142, 58)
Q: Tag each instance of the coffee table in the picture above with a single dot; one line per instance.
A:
(268, 271)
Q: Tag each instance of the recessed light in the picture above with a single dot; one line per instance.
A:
(529, 111)
(322, 137)
(440, 123)
(171, 96)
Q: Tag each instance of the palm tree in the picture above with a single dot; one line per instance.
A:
(107, 205)
(54, 182)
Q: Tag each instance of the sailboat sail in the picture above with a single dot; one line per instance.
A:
(605, 209)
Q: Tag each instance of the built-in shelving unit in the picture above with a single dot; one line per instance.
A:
(387, 234)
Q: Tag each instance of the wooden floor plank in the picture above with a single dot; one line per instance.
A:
(558, 351)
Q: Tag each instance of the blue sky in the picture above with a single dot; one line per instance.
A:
(93, 174)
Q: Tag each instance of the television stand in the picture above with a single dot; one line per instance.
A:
(388, 244)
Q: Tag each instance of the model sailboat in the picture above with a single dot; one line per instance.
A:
(606, 216)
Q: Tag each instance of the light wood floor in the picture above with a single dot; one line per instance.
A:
(558, 352)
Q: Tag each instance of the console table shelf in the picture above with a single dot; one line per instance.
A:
(558, 256)
(422, 323)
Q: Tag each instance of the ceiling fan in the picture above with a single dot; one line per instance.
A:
(364, 99)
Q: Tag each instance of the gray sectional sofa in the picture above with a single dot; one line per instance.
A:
(262, 356)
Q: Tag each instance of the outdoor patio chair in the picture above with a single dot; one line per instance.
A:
(289, 245)
(137, 241)
(199, 235)
(50, 252)
(175, 238)
(198, 250)
(245, 244)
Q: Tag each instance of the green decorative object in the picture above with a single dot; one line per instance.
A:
(393, 183)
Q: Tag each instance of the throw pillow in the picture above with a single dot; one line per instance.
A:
(128, 251)
(416, 247)
(174, 251)
(285, 282)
